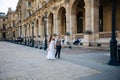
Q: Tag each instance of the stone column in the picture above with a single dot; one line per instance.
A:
(73, 22)
(95, 20)
(68, 24)
(47, 29)
(91, 21)
(68, 17)
(27, 32)
(55, 24)
(23, 32)
(29, 27)
(19, 31)
(58, 26)
(35, 34)
(49, 26)
(87, 22)
(40, 28)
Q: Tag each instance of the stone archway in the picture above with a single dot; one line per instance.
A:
(78, 16)
(62, 21)
(50, 24)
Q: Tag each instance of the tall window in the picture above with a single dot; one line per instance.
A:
(62, 13)
(29, 4)
(80, 22)
(13, 24)
(3, 26)
(14, 34)
(20, 31)
(4, 35)
(101, 18)
(3, 19)
(29, 13)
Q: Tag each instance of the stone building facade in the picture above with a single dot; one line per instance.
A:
(3, 19)
(90, 20)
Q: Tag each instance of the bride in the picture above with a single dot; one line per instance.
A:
(51, 48)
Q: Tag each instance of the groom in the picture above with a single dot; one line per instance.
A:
(58, 43)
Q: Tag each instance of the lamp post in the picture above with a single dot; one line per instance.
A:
(32, 34)
(25, 33)
(113, 42)
(45, 31)
(17, 33)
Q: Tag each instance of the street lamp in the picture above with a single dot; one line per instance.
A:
(25, 33)
(17, 33)
(45, 31)
(113, 42)
(32, 34)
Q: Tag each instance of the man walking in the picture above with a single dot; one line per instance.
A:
(58, 43)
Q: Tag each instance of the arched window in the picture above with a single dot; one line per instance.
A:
(62, 20)
(50, 24)
(80, 22)
(101, 18)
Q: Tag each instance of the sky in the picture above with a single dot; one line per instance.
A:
(5, 4)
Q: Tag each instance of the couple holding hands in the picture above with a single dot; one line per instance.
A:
(54, 47)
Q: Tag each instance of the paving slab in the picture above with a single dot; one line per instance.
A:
(18, 62)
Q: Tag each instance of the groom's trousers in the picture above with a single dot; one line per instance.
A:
(58, 50)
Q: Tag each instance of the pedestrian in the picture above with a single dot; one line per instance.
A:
(59, 45)
(51, 48)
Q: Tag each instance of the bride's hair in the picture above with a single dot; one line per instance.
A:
(50, 38)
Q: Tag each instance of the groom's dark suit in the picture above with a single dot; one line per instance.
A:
(58, 48)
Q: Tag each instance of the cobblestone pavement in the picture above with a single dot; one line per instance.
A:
(19, 62)
(96, 59)
(83, 50)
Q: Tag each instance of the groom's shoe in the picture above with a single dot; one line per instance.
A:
(59, 58)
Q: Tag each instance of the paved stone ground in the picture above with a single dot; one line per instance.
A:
(83, 50)
(19, 62)
(94, 59)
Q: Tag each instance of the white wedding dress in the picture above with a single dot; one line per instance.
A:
(51, 50)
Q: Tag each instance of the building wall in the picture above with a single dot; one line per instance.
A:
(62, 18)
(3, 20)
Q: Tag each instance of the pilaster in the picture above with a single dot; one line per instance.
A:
(55, 24)
(91, 21)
